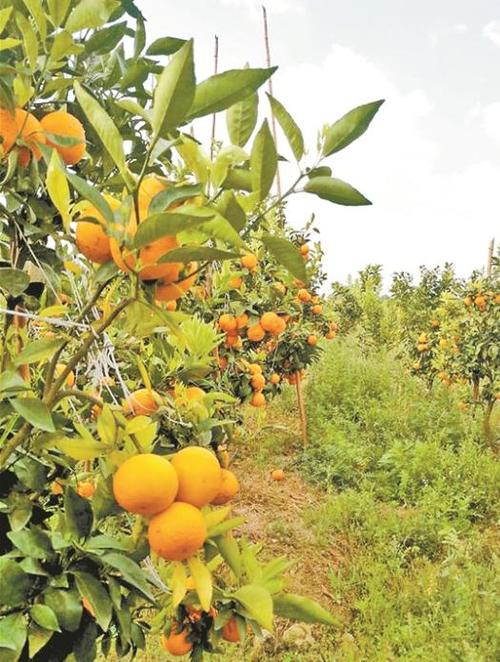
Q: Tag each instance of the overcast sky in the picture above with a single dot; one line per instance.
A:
(430, 161)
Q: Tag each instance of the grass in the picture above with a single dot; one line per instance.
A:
(390, 515)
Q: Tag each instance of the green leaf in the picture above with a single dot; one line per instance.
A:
(45, 617)
(37, 639)
(178, 583)
(170, 223)
(105, 129)
(84, 643)
(165, 46)
(92, 195)
(13, 634)
(320, 171)
(335, 190)
(90, 14)
(106, 425)
(287, 254)
(221, 228)
(289, 127)
(9, 42)
(15, 585)
(58, 189)
(228, 207)
(103, 41)
(4, 17)
(163, 200)
(38, 350)
(30, 43)
(223, 527)
(263, 162)
(78, 514)
(36, 10)
(80, 449)
(62, 45)
(258, 602)
(134, 108)
(131, 573)
(197, 254)
(35, 412)
(223, 90)
(58, 10)
(11, 382)
(302, 609)
(67, 606)
(13, 281)
(32, 542)
(349, 127)
(241, 119)
(202, 581)
(91, 588)
(174, 92)
(230, 552)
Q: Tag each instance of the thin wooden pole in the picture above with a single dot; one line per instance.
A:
(491, 249)
(302, 411)
(270, 85)
(216, 67)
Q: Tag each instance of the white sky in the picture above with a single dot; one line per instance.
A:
(430, 162)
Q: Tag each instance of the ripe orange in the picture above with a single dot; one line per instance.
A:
(258, 400)
(227, 322)
(304, 249)
(195, 393)
(278, 474)
(233, 341)
(21, 126)
(258, 382)
(91, 239)
(8, 130)
(236, 282)
(176, 643)
(304, 295)
(140, 403)
(145, 484)
(199, 475)
(70, 379)
(229, 488)
(85, 489)
(480, 301)
(312, 340)
(171, 291)
(56, 488)
(249, 261)
(279, 327)
(422, 347)
(317, 309)
(268, 321)
(230, 631)
(241, 321)
(178, 532)
(330, 335)
(60, 123)
(468, 301)
(255, 333)
(254, 368)
(171, 306)
(275, 378)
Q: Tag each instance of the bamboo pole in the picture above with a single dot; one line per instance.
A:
(491, 249)
(270, 85)
(302, 411)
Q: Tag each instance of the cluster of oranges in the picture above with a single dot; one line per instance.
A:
(23, 131)
(232, 325)
(270, 323)
(171, 493)
(481, 300)
(178, 642)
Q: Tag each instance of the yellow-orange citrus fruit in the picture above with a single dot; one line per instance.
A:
(480, 302)
(278, 474)
(227, 322)
(178, 532)
(255, 333)
(249, 261)
(233, 341)
(8, 130)
(150, 186)
(150, 256)
(317, 309)
(258, 400)
(177, 644)
(236, 282)
(330, 335)
(254, 368)
(195, 393)
(145, 484)
(171, 291)
(241, 321)
(304, 295)
(70, 379)
(230, 631)
(275, 378)
(85, 489)
(312, 340)
(229, 488)
(268, 321)
(56, 488)
(468, 301)
(91, 239)
(304, 249)
(279, 327)
(258, 382)
(171, 306)
(199, 475)
(24, 126)
(63, 124)
(141, 403)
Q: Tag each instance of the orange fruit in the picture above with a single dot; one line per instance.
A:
(21, 126)
(255, 333)
(258, 400)
(176, 643)
(480, 301)
(227, 322)
(312, 340)
(70, 379)
(91, 239)
(330, 335)
(468, 301)
(199, 475)
(304, 295)
(195, 393)
(249, 261)
(171, 306)
(145, 484)
(241, 321)
(140, 403)
(304, 249)
(8, 130)
(254, 368)
(233, 341)
(317, 309)
(171, 291)
(150, 256)
(85, 489)
(230, 631)
(177, 533)
(279, 327)
(56, 488)
(229, 488)
(236, 282)
(275, 378)
(63, 124)
(268, 321)
(278, 474)
(258, 382)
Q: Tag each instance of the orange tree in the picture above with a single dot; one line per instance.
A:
(112, 499)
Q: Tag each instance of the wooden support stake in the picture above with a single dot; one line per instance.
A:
(302, 411)
(491, 249)
(270, 85)
(216, 68)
